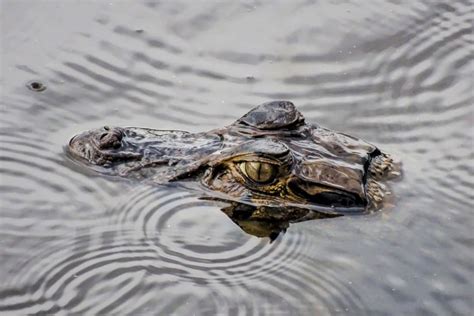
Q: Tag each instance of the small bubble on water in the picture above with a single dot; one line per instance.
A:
(36, 86)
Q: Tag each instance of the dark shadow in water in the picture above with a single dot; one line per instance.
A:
(266, 221)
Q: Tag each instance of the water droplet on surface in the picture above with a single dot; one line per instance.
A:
(36, 86)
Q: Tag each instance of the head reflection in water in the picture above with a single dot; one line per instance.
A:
(270, 165)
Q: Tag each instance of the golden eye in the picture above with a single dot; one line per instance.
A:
(260, 172)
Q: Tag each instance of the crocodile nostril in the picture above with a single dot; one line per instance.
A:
(111, 139)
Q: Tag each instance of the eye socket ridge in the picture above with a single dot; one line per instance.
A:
(254, 158)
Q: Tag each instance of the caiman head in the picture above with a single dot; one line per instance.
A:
(269, 157)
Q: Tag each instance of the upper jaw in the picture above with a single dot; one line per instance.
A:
(101, 147)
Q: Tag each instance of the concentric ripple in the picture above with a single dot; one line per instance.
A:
(196, 235)
(156, 248)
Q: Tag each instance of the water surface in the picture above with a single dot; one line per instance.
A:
(396, 73)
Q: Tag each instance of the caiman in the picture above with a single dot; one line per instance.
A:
(270, 165)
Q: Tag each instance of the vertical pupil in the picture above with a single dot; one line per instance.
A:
(260, 172)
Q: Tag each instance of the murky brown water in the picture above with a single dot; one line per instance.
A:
(397, 73)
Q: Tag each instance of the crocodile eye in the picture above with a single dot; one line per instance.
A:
(259, 172)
